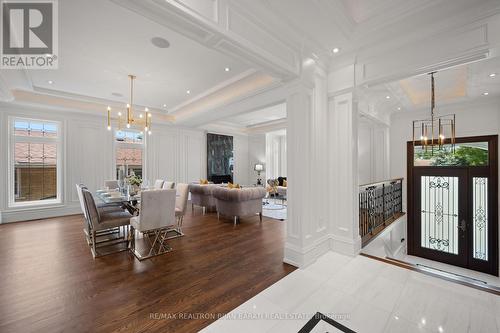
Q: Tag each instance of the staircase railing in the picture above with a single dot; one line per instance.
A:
(380, 204)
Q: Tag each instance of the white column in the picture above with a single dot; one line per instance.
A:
(307, 235)
(343, 155)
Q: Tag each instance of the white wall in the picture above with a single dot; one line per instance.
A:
(241, 160)
(173, 153)
(276, 164)
(373, 151)
(256, 154)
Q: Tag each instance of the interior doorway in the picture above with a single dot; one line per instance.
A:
(453, 203)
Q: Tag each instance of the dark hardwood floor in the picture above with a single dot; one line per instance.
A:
(50, 283)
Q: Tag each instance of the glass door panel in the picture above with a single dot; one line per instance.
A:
(439, 214)
(480, 218)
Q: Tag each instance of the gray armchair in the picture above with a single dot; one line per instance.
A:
(237, 203)
(201, 195)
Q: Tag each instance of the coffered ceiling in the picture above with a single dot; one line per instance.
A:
(100, 43)
(365, 27)
(222, 52)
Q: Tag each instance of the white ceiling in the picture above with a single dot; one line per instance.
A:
(459, 84)
(272, 113)
(101, 43)
(358, 25)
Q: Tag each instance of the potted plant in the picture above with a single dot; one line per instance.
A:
(135, 182)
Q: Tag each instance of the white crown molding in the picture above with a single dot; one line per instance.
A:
(103, 101)
(209, 111)
(213, 90)
(224, 128)
(95, 107)
(468, 104)
(266, 127)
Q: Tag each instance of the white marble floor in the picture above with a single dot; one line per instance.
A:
(367, 296)
(379, 248)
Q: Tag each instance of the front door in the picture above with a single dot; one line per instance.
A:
(452, 204)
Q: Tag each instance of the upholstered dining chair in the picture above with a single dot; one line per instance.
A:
(156, 217)
(101, 209)
(158, 184)
(104, 221)
(168, 185)
(111, 184)
(181, 205)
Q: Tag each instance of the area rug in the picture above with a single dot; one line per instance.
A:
(273, 210)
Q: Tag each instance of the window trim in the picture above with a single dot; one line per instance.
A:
(13, 139)
(135, 145)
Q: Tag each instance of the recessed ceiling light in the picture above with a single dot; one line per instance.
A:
(160, 42)
(486, 93)
(227, 69)
(140, 115)
(164, 105)
(388, 97)
(188, 92)
(399, 108)
(336, 50)
(493, 74)
(50, 81)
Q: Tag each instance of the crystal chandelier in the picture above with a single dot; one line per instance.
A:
(143, 122)
(437, 130)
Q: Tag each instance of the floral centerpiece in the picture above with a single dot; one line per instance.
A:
(134, 181)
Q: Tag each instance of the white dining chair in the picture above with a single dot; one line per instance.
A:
(158, 184)
(181, 205)
(156, 217)
(168, 185)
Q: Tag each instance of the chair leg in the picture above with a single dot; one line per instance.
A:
(94, 247)
(157, 245)
(235, 220)
(204, 210)
(218, 216)
(260, 216)
(192, 207)
(132, 239)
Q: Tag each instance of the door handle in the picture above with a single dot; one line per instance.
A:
(462, 225)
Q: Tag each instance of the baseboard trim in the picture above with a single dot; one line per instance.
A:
(412, 267)
(303, 257)
(345, 245)
(11, 216)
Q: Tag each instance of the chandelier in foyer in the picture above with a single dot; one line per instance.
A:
(142, 123)
(437, 130)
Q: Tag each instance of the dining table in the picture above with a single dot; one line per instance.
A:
(128, 201)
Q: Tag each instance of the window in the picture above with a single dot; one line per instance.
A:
(34, 162)
(463, 154)
(129, 153)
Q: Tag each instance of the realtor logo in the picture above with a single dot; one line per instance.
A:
(29, 34)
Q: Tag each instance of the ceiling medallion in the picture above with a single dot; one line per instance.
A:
(130, 121)
(436, 130)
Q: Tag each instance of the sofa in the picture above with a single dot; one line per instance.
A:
(201, 195)
(237, 203)
(281, 188)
